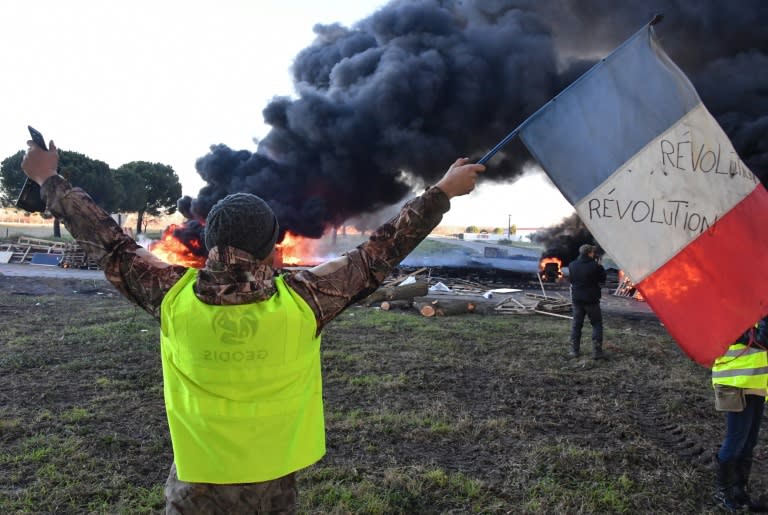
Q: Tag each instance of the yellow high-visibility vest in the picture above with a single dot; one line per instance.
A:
(742, 366)
(242, 386)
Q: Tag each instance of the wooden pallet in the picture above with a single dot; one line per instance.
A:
(511, 306)
(627, 289)
(75, 257)
(22, 250)
(72, 255)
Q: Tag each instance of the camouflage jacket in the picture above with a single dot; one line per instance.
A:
(233, 277)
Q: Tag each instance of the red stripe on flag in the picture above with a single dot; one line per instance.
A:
(717, 286)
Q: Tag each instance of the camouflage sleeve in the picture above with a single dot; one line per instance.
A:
(331, 287)
(133, 270)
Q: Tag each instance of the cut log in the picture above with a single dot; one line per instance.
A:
(408, 291)
(440, 308)
(389, 305)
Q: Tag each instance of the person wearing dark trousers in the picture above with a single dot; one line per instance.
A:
(740, 380)
(586, 275)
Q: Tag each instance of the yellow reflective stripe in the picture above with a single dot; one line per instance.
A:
(733, 353)
(739, 372)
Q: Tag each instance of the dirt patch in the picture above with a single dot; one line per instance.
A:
(19, 285)
(459, 414)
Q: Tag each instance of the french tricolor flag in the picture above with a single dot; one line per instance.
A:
(659, 185)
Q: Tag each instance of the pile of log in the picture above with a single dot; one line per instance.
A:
(436, 296)
(444, 307)
(395, 292)
(22, 250)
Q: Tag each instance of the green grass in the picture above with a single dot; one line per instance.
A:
(467, 414)
(397, 490)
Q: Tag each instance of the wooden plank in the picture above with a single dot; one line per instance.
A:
(553, 314)
(417, 272)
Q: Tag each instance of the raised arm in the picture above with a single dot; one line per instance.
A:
(332, 286)
(134, 271)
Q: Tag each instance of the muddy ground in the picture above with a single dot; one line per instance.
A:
(490, 398)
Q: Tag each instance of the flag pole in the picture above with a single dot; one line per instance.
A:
(509, 137)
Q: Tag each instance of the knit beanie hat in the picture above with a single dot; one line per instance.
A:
(243, 221)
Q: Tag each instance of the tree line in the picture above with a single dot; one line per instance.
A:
(136, 187)
(473, 229)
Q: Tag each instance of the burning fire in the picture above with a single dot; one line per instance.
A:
(295, 250)
(174, 251)
(550, 268)
(628, 286)
(292, 251)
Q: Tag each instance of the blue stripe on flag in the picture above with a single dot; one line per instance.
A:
(588, 131)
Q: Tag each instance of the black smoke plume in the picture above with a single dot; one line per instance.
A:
(403, 92)
(564, 239)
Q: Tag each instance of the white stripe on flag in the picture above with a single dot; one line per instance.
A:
(667, 195)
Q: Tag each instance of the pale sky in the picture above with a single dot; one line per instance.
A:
(161, 81)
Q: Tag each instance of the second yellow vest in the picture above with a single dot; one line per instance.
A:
(743, 367)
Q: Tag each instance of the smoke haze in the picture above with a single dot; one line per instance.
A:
(392, 100)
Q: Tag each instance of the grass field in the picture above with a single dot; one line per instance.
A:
(13, 231)
(464, 414)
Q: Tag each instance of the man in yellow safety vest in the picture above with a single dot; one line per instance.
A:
(740, 379)
(240, 345)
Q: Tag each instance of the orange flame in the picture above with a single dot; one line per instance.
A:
(627, 285)
(172, 250)
(295, 250)
(543, 265)
(544, 262)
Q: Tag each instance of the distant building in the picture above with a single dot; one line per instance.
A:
(524, 233)
(482, 236)
(521, 234)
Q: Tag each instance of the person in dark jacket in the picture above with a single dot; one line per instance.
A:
(586, 275)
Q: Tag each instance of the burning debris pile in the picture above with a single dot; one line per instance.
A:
(561, 244)
(626, 288)
(551, 269)
(179, 246)
(385, 105)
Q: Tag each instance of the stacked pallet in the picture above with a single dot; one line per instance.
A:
(74, 257)
(557, 306)
(627, 289)
(439, 296)
(22, 250)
